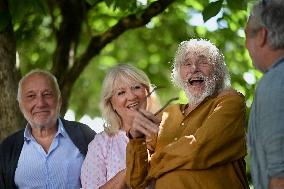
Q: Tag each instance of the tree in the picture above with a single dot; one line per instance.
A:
(8, 76)
(66, 67)
(78, 40)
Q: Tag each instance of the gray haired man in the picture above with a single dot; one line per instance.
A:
(265, 43)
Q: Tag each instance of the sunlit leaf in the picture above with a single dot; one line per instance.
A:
(212, 9)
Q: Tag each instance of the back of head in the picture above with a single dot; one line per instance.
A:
(269, 14)
(121, 72)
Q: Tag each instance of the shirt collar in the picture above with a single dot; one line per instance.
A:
(184, 106)
(61, 131)
(279, 61)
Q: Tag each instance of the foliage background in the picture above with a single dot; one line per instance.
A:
(150, 48)
(37, 24)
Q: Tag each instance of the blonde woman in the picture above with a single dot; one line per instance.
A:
(125, 89)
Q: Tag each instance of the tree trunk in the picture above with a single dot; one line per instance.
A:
(11, 118)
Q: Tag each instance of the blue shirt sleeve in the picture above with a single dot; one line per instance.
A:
(271, 115)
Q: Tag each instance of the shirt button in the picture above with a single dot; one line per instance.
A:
(176, 139)
(182, 124)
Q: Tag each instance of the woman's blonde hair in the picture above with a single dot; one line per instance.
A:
(122, 71)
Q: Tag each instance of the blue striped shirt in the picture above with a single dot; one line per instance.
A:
(59, 168)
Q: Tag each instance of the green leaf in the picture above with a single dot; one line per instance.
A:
(237, 5)
(212, 10)
(4, 20)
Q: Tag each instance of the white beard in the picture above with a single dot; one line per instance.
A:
(210, 89)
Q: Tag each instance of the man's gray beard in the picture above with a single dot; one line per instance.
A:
(210, 89)
(40, 125)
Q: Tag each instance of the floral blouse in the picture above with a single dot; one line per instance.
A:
(105, 158)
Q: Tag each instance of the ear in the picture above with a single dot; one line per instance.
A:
(262, 37)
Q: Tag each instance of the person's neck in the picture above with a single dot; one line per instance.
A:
(126, 125)
(44, 135)
(271, 58)
(191, 106)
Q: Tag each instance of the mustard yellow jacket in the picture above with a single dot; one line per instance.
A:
(213, 160)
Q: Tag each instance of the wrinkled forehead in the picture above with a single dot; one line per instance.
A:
(197, 52)
(194, 57)
(37, 81)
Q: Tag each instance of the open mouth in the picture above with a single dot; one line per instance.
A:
(196, 80)
(133, 106)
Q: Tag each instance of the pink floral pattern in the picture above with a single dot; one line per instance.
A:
(105, 158)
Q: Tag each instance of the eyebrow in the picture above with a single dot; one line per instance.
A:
(29, 92)
(118, 89)
(45, 90)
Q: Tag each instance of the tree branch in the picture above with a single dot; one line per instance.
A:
(68, 35)
(97, 43)
(129, 22)
(50, 5)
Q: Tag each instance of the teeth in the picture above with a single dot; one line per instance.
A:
(195, 78)
(132, 105)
